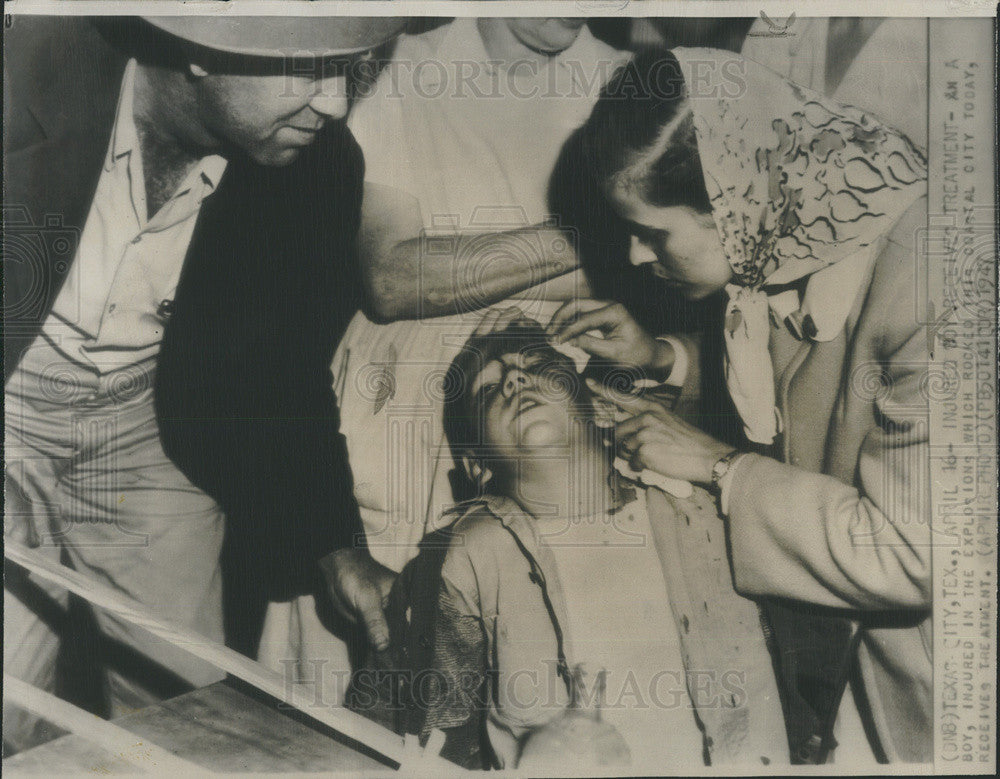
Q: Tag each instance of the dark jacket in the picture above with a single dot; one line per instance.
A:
(243, 389)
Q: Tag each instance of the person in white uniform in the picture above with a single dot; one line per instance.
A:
(456, 217)
(461, 133)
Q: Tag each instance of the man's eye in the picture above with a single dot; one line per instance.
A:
(489, 389)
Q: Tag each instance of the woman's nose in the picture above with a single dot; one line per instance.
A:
(640, 253)
(514, 381)
(330, 98)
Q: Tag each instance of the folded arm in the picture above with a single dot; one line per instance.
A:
(410, 274)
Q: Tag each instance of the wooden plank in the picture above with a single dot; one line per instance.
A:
(219, 728)
(104, 596)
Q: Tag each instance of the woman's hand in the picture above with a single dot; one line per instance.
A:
(654, 438)
(625, 342)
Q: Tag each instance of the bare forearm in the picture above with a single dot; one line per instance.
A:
(427, 277)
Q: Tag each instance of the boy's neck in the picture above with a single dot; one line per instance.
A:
(558, 487)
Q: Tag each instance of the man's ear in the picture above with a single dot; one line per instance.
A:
(478, 473)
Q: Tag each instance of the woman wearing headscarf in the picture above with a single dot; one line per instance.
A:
(803, 213)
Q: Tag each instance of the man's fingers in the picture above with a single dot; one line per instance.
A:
(507, 316)
(563, 314)
(486, 323)
(628, 428)
(497, 319)
(370, 609)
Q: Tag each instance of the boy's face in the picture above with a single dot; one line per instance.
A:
(525, 400)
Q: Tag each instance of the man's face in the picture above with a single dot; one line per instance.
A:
(525, 400)
(549, 36)
(276, 110)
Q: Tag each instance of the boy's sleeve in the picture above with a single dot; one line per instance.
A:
(459, 702)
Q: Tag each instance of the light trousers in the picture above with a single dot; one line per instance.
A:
(87, 482)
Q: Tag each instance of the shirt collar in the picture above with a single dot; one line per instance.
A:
(123, 135)
(819, 313)
(211, 168)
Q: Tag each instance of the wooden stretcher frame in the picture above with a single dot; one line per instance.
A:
(405, 752)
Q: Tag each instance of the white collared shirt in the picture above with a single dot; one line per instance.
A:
(113, 308)
(475, 141)
(472, 164)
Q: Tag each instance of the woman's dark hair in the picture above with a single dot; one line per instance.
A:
(642, 98)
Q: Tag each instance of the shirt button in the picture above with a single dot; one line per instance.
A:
(112, 307)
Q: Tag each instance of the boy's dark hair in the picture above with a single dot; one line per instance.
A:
(463, 422)
(641, 99)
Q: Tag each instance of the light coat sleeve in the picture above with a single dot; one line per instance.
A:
(865, 545)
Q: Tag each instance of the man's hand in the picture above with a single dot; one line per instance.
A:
(496, 320)
(625, 341)
(654, 438)
(359, 588)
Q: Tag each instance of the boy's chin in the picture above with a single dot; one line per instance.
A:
(542, 434)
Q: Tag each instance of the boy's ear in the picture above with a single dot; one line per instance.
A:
(478, 474)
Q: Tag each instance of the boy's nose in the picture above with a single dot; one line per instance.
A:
(640, 253)
(514, 381)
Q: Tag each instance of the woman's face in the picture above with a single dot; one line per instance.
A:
(681, 244)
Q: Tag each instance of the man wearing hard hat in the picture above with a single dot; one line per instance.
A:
(180, 209)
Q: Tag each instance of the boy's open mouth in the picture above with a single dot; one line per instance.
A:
(526, 403)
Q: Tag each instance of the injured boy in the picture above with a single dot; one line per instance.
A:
(582, 621)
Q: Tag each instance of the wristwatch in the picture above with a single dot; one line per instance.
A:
(721, 468)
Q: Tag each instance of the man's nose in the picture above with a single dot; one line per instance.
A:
(640, 252)
(514, 381)
(330, 97)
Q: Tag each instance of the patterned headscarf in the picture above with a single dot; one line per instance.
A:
(797, 182)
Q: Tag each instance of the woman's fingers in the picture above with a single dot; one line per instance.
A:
(630, 404)
(604, 319)
(567, 312)
(597, 347)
